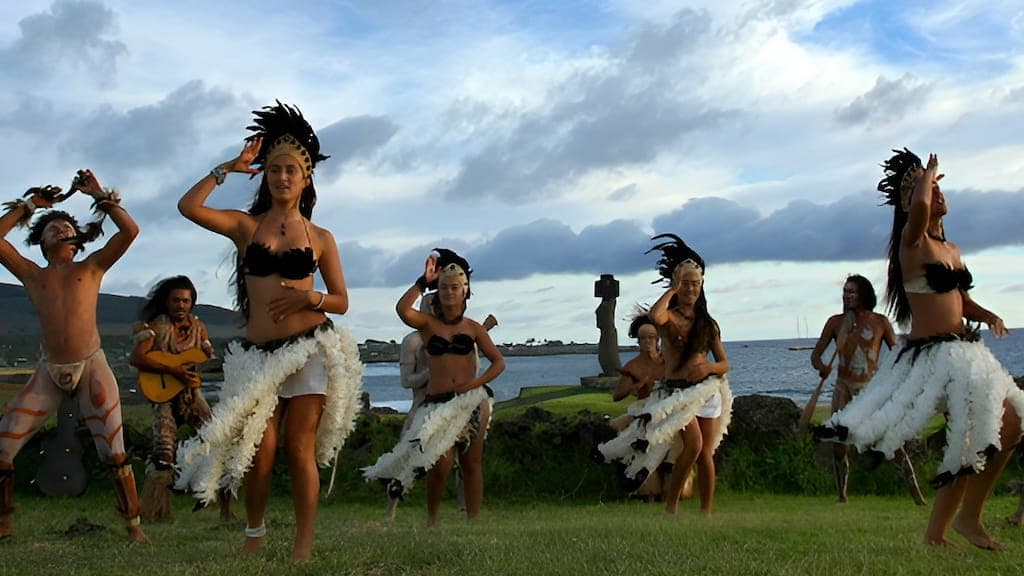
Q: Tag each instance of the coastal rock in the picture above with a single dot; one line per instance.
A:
(761, 421)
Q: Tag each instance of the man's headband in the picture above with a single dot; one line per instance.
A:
(454, 269)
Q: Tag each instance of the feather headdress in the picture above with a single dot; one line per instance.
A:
(448, 262)
(673, 253)
(285, 130)
(897, 186)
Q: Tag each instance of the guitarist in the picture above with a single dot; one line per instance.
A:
(166, 324)
(858, 334)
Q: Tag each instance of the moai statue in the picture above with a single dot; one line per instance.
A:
(607, 289)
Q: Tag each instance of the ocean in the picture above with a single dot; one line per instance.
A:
(757, 367)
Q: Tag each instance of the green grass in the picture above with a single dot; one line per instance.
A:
(783, 535)
(562, 401)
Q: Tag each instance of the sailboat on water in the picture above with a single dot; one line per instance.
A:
(799, 337)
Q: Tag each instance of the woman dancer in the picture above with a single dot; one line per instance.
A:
(943, 367)
(695, 402)
(456, 412)
(297, 375)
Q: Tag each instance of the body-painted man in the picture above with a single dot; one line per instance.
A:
(858, 334)
(64, 293)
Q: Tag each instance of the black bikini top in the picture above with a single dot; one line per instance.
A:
(294, 264)
(460, 344)
(942, 278)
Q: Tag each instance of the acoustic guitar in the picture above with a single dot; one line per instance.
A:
(159, 387)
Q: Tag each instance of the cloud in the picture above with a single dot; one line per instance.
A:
(353, 138)
(32, 114)
(624, 193)
(74, 34)
(980, 220)
(625, 113)
(888, 99)
(152, 135)
(853, 228)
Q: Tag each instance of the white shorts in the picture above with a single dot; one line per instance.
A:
(310, 379)
(712, 408)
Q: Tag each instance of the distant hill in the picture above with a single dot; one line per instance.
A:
(114, 314)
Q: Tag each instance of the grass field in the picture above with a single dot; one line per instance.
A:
(749, 534)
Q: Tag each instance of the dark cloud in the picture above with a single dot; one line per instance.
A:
(1015, 96)
(980, 220)
(540, 247)
(72, 33)
(152, 135)
(657, 45)
(353, 138)
(32, 114)
(853, 228)
(888, 99)
(722, 231)
(624, 193)
(624, 115)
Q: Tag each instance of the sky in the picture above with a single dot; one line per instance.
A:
(545, 141)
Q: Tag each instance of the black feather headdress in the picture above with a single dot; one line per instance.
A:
(445, 258)
(282, 124)
(673, 253)
(897, 185)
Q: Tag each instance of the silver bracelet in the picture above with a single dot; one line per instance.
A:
(323, 296)
(219, 174)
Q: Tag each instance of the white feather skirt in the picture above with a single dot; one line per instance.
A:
(962, 379)
(221, 453)
(644, 444)
(434, 430)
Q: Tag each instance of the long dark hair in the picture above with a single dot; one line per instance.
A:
(891, 187)
(156, 301)
(260, 205)
(704, 329)
(272, 123)
(865, 291)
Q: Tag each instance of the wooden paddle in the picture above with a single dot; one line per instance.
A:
(805, 418)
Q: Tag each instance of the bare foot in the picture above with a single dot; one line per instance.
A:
(977, 535)
(251, 545)
(392, 509)
(431, 521)
(135, 534)
(5, 527)
(940, 543)
(841, 500)
(671, 508)
(302, 554)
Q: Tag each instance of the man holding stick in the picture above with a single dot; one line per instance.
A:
(858, 334)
